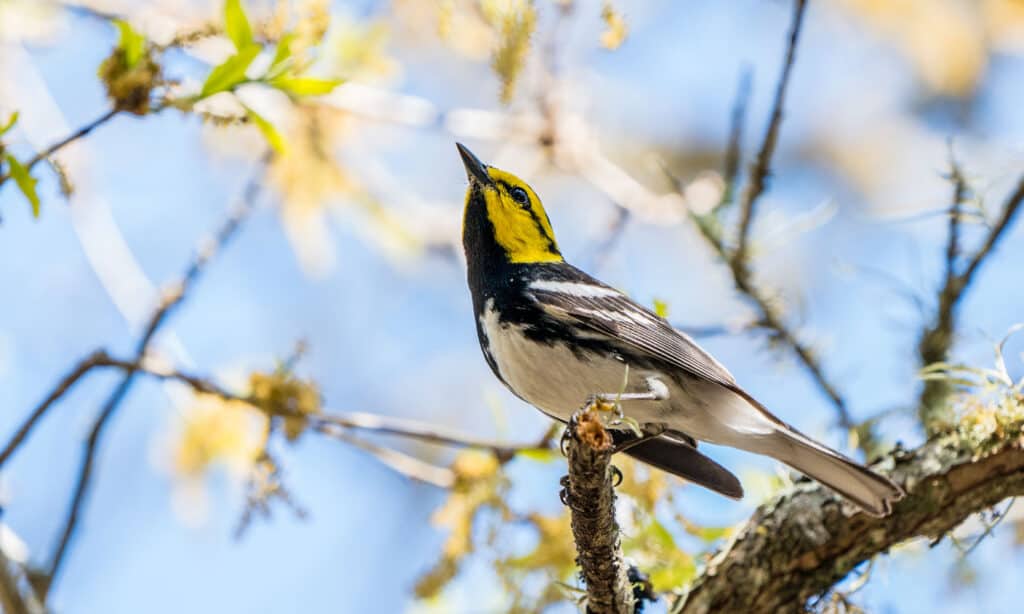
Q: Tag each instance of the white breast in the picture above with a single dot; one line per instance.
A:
(553, 378)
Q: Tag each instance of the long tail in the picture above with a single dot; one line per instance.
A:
(766, 434)
(872, 492)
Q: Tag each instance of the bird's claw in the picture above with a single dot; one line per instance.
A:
(564, 495)
(616, 476)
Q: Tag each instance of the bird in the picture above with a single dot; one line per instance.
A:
(558, 338)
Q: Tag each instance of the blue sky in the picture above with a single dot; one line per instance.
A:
(399, 339)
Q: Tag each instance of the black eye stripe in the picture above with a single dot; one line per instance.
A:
(511, 190)
(516, 193)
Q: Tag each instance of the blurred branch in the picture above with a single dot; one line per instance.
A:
(937, 339)
(64, 385)
(615, 229)
(770, 314)
(956, 177)
(172, 298)
(412, 429)
(71, 138)
(11, 599)
(734, 149)
(402, 463)
(589, 492)
(326, 422)
(800, 545)
(1010, 209)
(762, 164)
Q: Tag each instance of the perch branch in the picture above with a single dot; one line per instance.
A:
(590, 494)
(802, 544)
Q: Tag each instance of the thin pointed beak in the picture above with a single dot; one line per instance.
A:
(475, 169)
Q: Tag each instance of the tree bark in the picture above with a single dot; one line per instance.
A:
(589, 491)
(799, 546)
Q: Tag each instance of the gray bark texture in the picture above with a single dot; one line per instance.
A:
(801, 544)
(590, 494)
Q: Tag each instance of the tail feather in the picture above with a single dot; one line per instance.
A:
(767, 434)
(873, 493)
(682, 459)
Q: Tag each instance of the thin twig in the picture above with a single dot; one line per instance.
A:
(772, 319)
(733, 151)
(1010, 209)
(937, 339)
(956, 176)
(412, 429)
(762, 163)
(171, 299)
(365, 421)
(63, 386)
(71, 138)
(400, 462)
(770, 315)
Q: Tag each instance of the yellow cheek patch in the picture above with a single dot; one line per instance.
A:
(519, 232)
(523, 231)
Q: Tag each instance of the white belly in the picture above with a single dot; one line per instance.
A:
(558, 382)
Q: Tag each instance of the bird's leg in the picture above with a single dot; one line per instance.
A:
(656, 391)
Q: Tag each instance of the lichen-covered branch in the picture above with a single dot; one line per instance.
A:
(799, 546)
(590, 494)
(937, 338)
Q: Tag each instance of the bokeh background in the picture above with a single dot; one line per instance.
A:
(354, 248)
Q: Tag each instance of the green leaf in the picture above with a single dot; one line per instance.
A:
(284, 51)
(710, 534)
(236, 24)
(132, 44)
(274, 138)
(305, 86)
(10, 123)
(540, 455)
(26, 182)
(661, 308)
(231, 73)
(660, 535)
(675, 575)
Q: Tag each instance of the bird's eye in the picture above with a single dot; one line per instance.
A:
(519, 195)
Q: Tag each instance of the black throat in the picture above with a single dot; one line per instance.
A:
(488, 269)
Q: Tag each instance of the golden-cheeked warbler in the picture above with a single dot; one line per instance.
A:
(557, 337)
